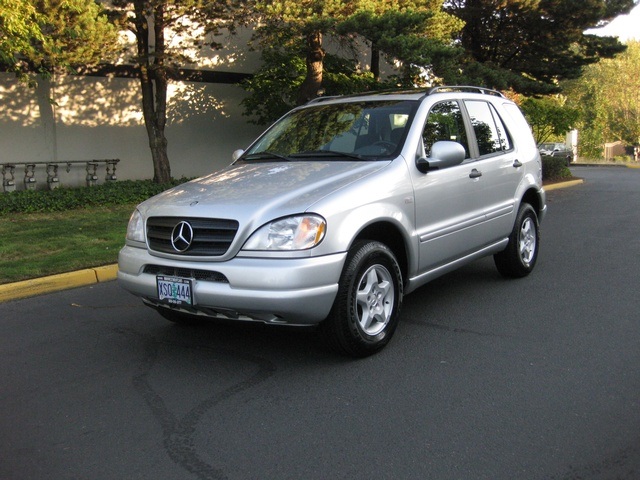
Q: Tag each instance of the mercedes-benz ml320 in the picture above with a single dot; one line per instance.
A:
(341, 208)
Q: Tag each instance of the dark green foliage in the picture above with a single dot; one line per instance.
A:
(296, 66)
(62, 199)
(274, 87)
(529, 46)
(555, 168)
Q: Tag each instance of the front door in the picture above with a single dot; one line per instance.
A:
(449, 210)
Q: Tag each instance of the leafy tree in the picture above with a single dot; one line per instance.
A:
(76, 32)
(39, 36)
(608, 101)
(169, 33)
(417, 38)
(275, 86)
(19, 31)
(530, 45)
(301, 25)
(297, 67)
(549, 117)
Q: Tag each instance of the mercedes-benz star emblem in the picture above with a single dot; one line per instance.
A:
(181, 237)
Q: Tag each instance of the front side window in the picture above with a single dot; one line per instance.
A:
(491, 134)
(445, 123)
(367, 130)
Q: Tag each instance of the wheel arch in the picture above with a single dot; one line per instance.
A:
(390, 235)
(532, 197)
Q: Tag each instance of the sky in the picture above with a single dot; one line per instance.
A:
(625, 27)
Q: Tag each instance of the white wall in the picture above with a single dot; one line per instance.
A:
(101, 118)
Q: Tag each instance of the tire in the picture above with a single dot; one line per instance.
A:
(366, 310)
(521, 254)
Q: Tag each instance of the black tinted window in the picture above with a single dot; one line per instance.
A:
(490, 131)
(445, 123)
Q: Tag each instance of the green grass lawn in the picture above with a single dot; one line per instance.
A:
(39, 244)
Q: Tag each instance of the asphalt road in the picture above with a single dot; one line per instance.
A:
(486, 378)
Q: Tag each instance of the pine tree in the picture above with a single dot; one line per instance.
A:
(531, 45)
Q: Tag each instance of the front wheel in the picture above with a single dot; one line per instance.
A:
(519, 258)
(366, 310)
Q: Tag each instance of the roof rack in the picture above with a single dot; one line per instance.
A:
(370, 93)
(440, 89)
(465, 88)
(322, 99)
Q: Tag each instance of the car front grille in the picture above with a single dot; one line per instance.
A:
(200, 275)
(211, 236)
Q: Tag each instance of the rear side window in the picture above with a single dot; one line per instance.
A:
(519, 126)
(491, 134)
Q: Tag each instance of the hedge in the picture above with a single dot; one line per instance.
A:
(63, 198)
(555, 168)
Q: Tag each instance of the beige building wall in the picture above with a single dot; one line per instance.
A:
(75, 118)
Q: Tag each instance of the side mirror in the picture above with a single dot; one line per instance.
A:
(237, 154)
(444, 154)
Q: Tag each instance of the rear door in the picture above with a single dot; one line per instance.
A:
(498, 166)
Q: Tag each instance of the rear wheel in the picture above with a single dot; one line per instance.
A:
(519, 258)
(366, 310)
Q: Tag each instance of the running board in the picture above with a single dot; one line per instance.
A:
(426, 277)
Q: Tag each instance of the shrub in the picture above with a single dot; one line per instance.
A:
(62, 199)
(555, 168)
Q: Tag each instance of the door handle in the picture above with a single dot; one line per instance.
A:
(517, 163)
(475, 173)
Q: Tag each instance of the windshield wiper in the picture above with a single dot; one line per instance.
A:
(266, 156)
(329, 153)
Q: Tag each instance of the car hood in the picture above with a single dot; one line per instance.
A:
(258, 192)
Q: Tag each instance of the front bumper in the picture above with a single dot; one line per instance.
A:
(295, 291)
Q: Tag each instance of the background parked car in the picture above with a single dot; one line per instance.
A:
(556, 150)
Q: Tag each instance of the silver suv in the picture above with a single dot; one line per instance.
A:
(341, 208)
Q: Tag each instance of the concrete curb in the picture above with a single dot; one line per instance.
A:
(569, 183)
(55, 283)
(606, 165)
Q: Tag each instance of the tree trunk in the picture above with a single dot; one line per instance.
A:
(154, 122)
(46, 108)
(312, 84)
(153, 82)
(375, 62)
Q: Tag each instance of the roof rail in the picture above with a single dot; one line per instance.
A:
(465, 88)
(322, 99)
(368, 93)
(440, 89)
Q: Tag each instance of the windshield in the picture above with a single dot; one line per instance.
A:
(365, 130)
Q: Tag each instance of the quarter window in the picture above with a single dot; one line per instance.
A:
(491, 134)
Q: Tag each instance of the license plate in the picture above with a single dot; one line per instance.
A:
(175, 290)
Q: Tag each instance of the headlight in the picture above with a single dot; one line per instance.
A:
(292, 233)
(135, 229)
